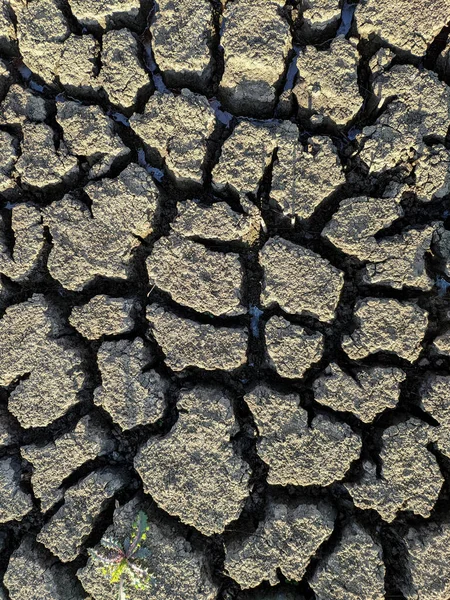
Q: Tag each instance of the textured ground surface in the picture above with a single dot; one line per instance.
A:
(225, 296)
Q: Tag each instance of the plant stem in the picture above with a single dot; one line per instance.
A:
(121, 590)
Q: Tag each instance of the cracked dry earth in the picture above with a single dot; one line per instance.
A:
(224, 296)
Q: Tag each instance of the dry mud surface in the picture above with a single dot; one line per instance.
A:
(224, 296)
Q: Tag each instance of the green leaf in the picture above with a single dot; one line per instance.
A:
(101, 558)
(126, 544)
(142, 553)
(140, 526)
(118, 571)
(111, 544)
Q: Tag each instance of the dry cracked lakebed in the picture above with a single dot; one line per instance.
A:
(225, 297)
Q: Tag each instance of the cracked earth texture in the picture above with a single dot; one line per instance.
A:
(224, 296)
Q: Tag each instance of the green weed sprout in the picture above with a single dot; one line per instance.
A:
(123, 563)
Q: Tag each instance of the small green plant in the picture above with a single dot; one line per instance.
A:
(123, 563)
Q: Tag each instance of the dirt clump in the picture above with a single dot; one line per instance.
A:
(210, 482)
(122, 75)
(217, 222)
(434, 393)
(354, 225)
(49, 167)
(186, 343)
(21, 105)
(194, 276)
(27, 225)
(55, 461)
(258, 557)
(246, 154)
(326, 446)
(365, 393)
(103, 315)
(106, 13)
(401, 261)
(33, 574)
(354, 569)
(431, 170)
(394, 23)
(290, 349)
(416, 109)
(319, 16)
(299, 281)
(91, 134)
(303, 178)
(410, 476)
(7, 32)
(121, 211)
(386, 325)
(43, 361)
(254, 64)
(71, 525)
(328, 82)
(14, 503)
(9, 155)
(429, 570)
(181, 42)
(176, 129)
(130, 392)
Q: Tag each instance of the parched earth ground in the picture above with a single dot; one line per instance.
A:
(225, 262)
